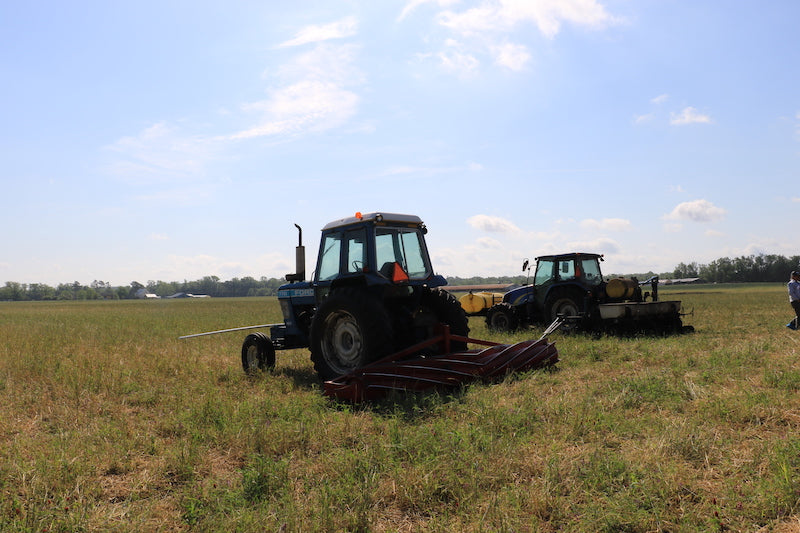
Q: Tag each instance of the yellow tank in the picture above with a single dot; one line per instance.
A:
(479, 302)
(621, 288)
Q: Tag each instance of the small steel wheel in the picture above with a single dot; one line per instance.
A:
(258, 353)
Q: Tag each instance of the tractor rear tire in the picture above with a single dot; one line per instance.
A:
(258, 353)
(448, 311)
(350, 329)
(562, 303)
(501, 317)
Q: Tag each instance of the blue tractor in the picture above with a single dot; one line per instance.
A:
(571, 286)
(372, 293)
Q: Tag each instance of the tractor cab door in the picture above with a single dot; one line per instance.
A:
(343, 255)
(543, 278)
(590, 272)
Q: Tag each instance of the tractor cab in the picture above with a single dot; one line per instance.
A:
(579, 270)
(375, 249)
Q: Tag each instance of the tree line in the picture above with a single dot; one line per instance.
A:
(744, 269)
(101, 290)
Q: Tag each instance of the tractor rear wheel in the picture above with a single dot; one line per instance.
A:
(350, 329)
(258, 353)
(445, 307)
(501, 317)
(566, 304)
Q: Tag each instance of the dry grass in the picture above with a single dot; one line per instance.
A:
(108, 422)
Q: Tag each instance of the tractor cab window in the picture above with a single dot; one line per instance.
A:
(566, 269)
(356, 250)
(404, 246)
(591, 271)
(544, 272)
(342, 253)
(329, 259)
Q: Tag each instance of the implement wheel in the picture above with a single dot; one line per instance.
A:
(501, 317)
(350, 329)
(258, 353)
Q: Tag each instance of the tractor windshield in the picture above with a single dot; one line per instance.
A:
(591, 271)
(404, 246)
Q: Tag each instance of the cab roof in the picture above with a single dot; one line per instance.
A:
(571, 255)
(405, 220)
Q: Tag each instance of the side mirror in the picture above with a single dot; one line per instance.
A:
(525, 265)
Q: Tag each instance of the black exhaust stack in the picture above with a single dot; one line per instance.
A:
(300, 259)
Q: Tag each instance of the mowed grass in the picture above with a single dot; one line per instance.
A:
(109, 422)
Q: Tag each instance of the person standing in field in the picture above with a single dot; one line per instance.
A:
(794, 299)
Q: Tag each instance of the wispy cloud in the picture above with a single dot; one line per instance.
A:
(346, 27)
(511, 56)
(696, 211)
(602, 245)
(316, 94)
(420, 171)
(161, 153)
(306, 106)
(414, 4)
(484, 30)
(689, 115)
(612, 224)
(660, 99)
(546, 15)
(488, 243)
(492, 224)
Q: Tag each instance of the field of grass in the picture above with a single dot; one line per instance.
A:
(109, 422)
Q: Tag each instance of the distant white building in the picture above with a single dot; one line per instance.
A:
(144, 295)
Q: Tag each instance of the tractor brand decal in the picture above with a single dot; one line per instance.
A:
(295, 293)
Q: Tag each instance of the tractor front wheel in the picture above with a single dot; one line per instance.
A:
(258, 353)
(349, 330)
(501, 317)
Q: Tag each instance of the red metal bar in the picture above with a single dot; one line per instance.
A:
(393, 373)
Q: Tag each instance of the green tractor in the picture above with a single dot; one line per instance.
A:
(571, 286)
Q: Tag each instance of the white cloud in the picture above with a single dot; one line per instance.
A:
(487, 243)
(492, 224)
(610, 224)
(340, 29)
(161, 153)
(546, 15)
(306, 106)
(641, 119)
(511, 56)
(417, 171)
(714, 233)
(484, 29)
(602, 245)
(796, 199)
(414, 4)
(660, 99)
(696, 211)
(455, 59)
(689, 115)
(315, 96)
(158, 237)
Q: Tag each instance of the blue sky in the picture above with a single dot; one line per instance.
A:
(172, 140)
